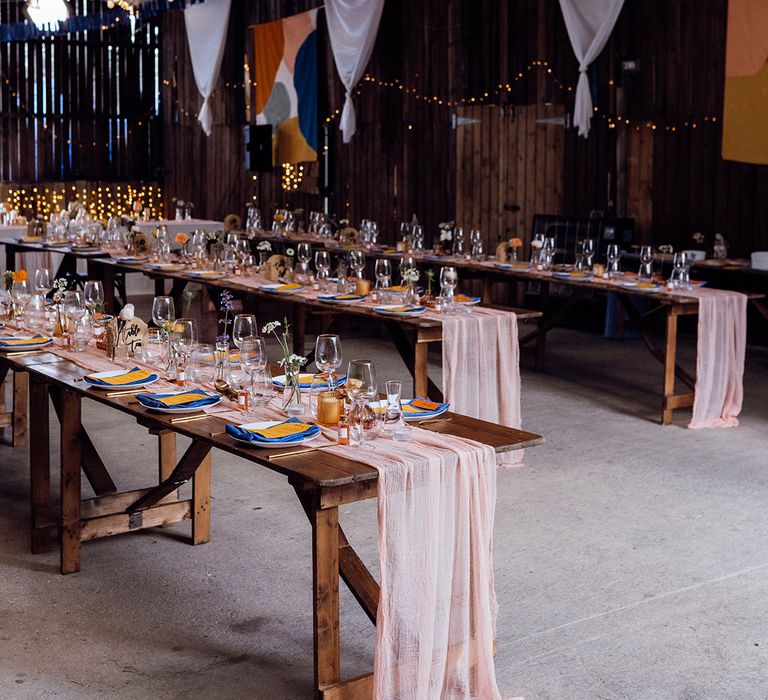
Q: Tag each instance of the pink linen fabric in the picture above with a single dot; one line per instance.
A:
(481, 369)
(721, 346)
(436, 619)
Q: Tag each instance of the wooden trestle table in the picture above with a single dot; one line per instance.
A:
(321, 481)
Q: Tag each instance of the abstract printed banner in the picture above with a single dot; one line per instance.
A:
(285, 93)
(745, 108)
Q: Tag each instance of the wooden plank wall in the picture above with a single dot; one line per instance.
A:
(508, 156)
(403, 159)
(79, 106)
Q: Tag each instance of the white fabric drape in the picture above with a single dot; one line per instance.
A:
(589, 24)
(206, 35)
(352, 28)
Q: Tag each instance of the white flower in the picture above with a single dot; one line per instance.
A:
(666, 248)
(269, 327)
(719, 238)
(537, 244)
(127, 312)
(411, 275)
(264, 246)
(135, 229)
(289, 251)
(293, 361)
(446, 235)
(698, 237)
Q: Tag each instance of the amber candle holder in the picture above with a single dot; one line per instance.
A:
(329, 407)
(363, 287)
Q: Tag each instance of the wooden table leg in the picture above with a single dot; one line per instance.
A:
(487, 290)
(70, 482)
(20, 408)
(421, 369)
(201, 502)
(39, 463)
(10, 257)
(325, 562)
(670, 362)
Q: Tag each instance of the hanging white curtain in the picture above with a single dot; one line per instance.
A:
(589, 24)
(352, 28)
(206, 35)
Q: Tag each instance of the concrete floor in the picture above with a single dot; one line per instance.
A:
(630, 560)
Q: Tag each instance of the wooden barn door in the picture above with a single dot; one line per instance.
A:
(507, 156)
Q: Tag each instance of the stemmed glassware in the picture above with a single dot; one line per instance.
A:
(43, 284)
(613, 254)
(243, 327)
(681, 265)
(328, 355)
(646, 261)
(476, 242)
(549, 251)
(588, 249)
(93, 293)
(361, 386)
(449, 278)
(253, 359)
(163, 315)
(357, 262)
(383, 272)
(457, 247)
(74, 310)
(185, 340)
(304, 255)
(21, 295)
(323, 266)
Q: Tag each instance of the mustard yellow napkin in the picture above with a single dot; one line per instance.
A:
(133, 376)
(281, 430)
(186, 397)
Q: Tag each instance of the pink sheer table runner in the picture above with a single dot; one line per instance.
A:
(436, 619)
(721, 346)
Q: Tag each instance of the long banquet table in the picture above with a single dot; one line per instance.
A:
(322, 482)
(425, 329)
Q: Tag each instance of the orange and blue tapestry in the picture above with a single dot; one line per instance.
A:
(745, 107)
(285, 91)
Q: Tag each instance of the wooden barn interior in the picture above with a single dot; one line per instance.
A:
(325, 233)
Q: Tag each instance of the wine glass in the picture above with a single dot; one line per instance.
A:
(185, 339)
(476, 243)
(21, 295)
(322, 265)
(43, 283)
(304, 254)
(163, 315)
(646, 261)
(357, 262)
(383, 272)
(457, 246)
(588, 249)
(549, 251)
(613, 254)
(449, 278)
(328, 355)
(93, 293)
(243, 327)
(361, 385)
(74, 309)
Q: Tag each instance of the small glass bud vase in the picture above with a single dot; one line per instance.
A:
(222, 359)
(411, 295)
(292, 392)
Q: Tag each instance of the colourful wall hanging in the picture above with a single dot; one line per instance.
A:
(745, 108)
(285, 92)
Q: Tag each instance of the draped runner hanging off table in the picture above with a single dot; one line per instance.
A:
(436, 618)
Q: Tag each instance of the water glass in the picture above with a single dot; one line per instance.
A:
(449, 278)
(549, 251)
(81, 334)
(93, 293)
(155, 349)
(361, 385)
(21, 295)
(323, 266)
(262, 390)
(185, 339)
(202, 364)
